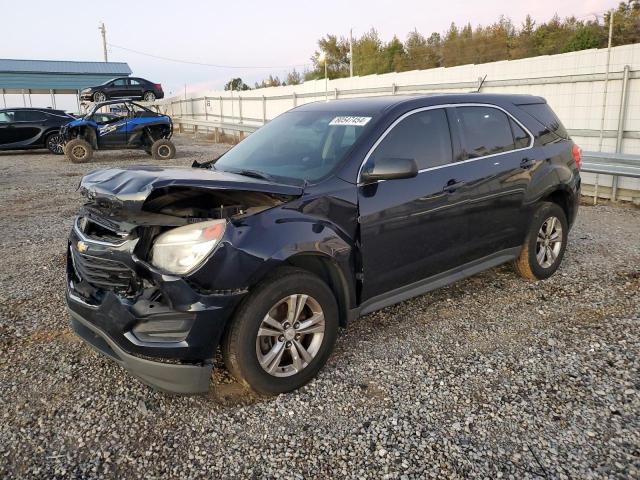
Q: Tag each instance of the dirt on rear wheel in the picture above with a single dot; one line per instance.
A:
(163, 149)
(78, 150)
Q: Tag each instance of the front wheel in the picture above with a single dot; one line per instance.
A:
(283, 332)
(78, 150)
(99, 97)
(55, 143)
(163, 149)
(545, 244)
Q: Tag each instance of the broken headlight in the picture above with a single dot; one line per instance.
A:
(182, 249)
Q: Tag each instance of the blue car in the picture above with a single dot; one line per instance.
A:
(115, 125)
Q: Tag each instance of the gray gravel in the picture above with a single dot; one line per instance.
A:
(490, 377)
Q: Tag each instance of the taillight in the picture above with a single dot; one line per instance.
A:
(158, 86)
(576, 151)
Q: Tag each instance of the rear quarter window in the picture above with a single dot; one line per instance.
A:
(547, 117)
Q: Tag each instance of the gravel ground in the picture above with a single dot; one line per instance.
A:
(490, 377)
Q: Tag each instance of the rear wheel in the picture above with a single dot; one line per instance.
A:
(149, 97)
(283, 332)
(78, 150)
(163, 149)
(545, 244)
(99, 97)
(55, 144)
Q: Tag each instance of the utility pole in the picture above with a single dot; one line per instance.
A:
(604, 101)
(351, 52)
(104, 40)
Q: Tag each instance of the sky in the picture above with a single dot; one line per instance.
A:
(251, 33)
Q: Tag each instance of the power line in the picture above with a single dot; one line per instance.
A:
(203, 64)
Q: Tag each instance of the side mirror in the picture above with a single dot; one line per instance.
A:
(388, 169)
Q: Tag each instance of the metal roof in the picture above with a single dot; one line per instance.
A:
(64, 67)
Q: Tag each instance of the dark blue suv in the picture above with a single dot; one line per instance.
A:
(330, 211)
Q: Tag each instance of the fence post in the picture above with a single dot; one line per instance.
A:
(53, 98)
(206, 110)
(240, 110)
(221, 114)
(393, 89)
(335, 93)
(622, 114)
(295, 99)
(264, 109)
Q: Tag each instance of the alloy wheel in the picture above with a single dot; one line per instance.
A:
(149, 97)
(99, 97)
(549, 242)
(290, 335)
(55, 144)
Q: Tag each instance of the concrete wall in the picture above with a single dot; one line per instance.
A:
(573, 84)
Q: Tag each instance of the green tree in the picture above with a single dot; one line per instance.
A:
(336, 54)
(524, 44)
(294, 77)
(394, 56)
(236, 84)
(586, 36)
(368, 54)
(271, 81)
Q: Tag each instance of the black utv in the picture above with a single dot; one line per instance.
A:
(127, 126)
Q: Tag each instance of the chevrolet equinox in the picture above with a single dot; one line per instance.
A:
(330, 211)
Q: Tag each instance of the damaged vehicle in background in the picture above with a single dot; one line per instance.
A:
(330, 211)
(126, 125)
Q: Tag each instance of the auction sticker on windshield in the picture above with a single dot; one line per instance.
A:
(350, 121)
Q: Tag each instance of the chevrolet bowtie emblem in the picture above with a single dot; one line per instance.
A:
(82, 246)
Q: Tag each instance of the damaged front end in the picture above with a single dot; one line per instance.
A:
(142, 285)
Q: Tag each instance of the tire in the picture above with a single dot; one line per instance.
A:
(78, 150)
(244, 349)
(163, 149)
(99, 97)
(149, 97)
(54, 143)
(545, 243)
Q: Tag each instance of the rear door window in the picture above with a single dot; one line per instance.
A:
(485, 131)
(522, 138)
(29, 116)
(423, 137)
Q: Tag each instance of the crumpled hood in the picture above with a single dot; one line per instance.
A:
(130, 187)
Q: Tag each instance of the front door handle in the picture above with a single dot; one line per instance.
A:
(527, 163)
(452, 186)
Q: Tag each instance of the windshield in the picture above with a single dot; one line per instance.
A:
(296, 146)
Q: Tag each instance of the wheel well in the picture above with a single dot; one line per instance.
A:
(156, 132)
(85, 133)
(330, 273)
(562, 199)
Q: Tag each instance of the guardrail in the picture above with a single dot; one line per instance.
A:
(614, 164)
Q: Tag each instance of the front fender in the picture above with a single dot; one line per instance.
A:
(255, 246)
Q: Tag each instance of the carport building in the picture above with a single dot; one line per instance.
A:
(51, 77)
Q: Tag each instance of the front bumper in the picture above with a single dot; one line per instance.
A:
(107, 318)
(185, 379)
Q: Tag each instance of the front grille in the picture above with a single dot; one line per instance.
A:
(102, 273)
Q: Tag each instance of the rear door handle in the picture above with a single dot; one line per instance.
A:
(527, 163)
(452, 186)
